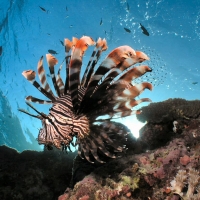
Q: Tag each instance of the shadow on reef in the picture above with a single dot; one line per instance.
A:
(34, 175)
(11, 133)
(154, 167)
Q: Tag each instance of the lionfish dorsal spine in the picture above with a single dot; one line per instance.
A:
(101, 46)
(59, 80)
(75, 66)
(42, 76)
(111, 61)
(30, 76)
(52, 61)
(28, 113)
(68, 49)
(131, 73)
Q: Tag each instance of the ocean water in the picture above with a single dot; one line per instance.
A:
(28, 29)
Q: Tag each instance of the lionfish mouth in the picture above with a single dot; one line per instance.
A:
(78, 104)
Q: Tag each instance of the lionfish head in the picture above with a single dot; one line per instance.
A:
(79, 104)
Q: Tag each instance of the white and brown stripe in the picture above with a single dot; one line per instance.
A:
(76, 108)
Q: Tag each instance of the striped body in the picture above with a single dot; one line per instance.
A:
(78, 104)
(62, 124)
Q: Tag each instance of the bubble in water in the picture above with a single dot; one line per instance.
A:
(158, 66)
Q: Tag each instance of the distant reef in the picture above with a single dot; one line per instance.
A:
(164, 163)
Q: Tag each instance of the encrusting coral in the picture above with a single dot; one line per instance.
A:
(149, 170)
(148, 174)
(187, 179)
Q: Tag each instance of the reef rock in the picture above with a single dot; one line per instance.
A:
(33, 175)
(164, 163)
(153, 167)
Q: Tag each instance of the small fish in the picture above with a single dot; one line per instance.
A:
(1, 50)
(194, 83)
(62, 42)
(52, 51)
(43, 9)
(66, 8)
(127, 6)
(144, 30)
(101, 22)
(127, 30)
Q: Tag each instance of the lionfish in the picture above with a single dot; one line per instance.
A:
(75, 117)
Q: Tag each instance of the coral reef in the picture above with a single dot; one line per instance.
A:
(170, 110)
(34, 175)
(191, 178)
(163, 164)
(152, 166)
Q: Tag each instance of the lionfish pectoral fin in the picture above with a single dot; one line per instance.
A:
(136, 90)
(80, 152)
(86, 149)
(69, 148)
(135, 72)
(131, 73)
(113, 60)
(36, 100)
(107, 153)
(26, 112)
(128, 104)
(141, 56)
(40, 113)
(93, 150)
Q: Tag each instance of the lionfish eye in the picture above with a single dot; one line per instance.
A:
(48, 121)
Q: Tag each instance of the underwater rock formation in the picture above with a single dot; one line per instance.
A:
(151, 168)
(34, 175)
(149, 175)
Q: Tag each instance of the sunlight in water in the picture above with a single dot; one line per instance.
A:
(132, 123)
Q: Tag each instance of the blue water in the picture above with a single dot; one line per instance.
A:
(28, 29)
